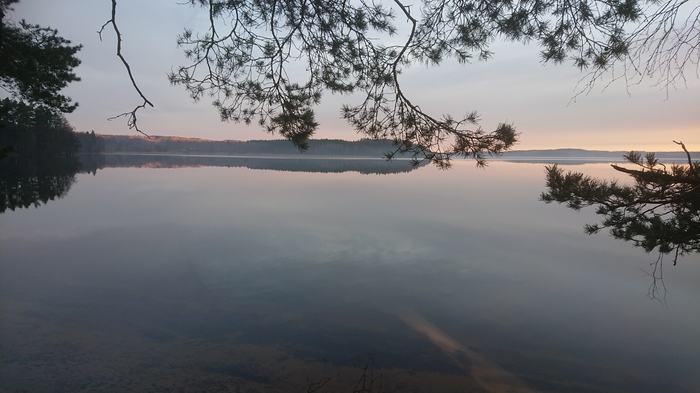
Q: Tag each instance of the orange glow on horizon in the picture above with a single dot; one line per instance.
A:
(614, 140)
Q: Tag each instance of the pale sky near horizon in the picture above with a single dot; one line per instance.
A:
(513, 87)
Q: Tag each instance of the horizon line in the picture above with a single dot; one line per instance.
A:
(147, 137)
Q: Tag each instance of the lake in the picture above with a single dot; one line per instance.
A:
(245, 277)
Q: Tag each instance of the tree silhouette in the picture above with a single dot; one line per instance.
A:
(250, 58)
(661, 210)
(44, 163)
(36, 131)
(36, 63)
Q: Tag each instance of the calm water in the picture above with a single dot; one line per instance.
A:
(249, 280)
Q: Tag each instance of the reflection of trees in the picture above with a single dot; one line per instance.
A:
(661, 210)
(27, 182)
(287, 164)
(657, 288)
(40, 163)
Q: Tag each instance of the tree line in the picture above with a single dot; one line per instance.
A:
(160, 144)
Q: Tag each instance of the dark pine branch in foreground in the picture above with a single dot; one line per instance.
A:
(661, 210)
(269, 62)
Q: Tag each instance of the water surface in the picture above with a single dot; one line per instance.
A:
(237, 279)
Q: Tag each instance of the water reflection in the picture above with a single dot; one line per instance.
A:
(311, 164)
(32, 182)
(658, 211)
(225, 279)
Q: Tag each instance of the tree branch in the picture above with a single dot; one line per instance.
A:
(131, 119)
(691, 168)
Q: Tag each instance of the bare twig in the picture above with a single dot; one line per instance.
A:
(367, 381)
(690, 160)
(131, 119)
(314, 386)
(664, 46)
(657, 288)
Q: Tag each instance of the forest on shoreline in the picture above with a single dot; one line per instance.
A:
(96, 143)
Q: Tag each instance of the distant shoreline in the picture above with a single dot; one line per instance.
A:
(251, 155)
(320, 148)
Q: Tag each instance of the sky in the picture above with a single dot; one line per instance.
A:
(512, 87)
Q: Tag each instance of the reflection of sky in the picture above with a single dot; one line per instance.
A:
(471, 252)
